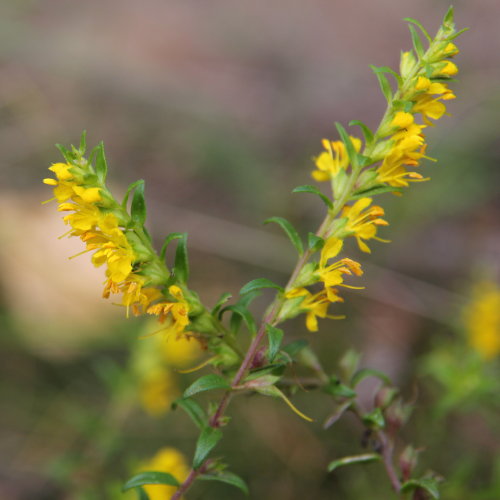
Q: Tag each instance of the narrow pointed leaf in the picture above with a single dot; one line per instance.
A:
(138, 207)
(351, 151)
(275, 336)
(101, 167)
(206, 383)
(375, 190)
(83, 142)
(207, 441)
(181, 265)
(222, 300)
(357, 459)
(417, 43)
(290, 231)
(193, 409)
(242, 313)
(367, 133)
(227, 477)
(314, 190)
(129, 190)
(67, 154)
(150, 477)
(384, 83)
(422, 29)
(168, 240)
(258, 284)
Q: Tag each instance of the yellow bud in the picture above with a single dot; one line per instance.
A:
(402, 119)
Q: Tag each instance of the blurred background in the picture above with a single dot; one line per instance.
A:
(220, 107)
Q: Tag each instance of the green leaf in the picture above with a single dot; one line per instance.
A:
(430, 485)
(367, 133)
(384, 83)
(275, 336)
(369, 372)
(417, 43)
(207, 441)
(336, 388)
(222, 300)
(150, 477)
(206, 383)
(374, 419)
(101, 167)
(242, 313)
(168, 240)
(315, 242)
(181, 263)
(295, 347)
(290, 231)
(68, 155)
(422, 29)
(227, 477)
(258, 284)
(357, 459)
(458, 33)
(138, 208)
(83, 142)
(351, 150)
(129, 190)
(375, 190)
(448, 17)
(314, 190)
(193, 409)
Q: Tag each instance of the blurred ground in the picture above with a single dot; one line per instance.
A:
(220, 106)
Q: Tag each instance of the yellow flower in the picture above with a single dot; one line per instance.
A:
(482, 320)
(158, 390)
(332, 160)
(407, 149)
(166, 460)
(174, 314)
(363, 221)
(315, 306)
(402, 119)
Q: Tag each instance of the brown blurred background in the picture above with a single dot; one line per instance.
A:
(219, 106)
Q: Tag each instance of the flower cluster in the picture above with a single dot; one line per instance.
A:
(132, 268)
(385, 163)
